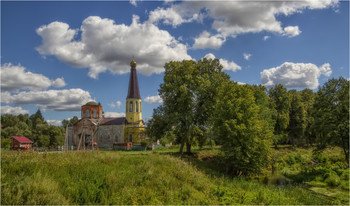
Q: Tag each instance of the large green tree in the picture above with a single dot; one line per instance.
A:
(331, 115)
(308, 98)
(242, 130)
(189, 94)
(297, 119)
(280, 103)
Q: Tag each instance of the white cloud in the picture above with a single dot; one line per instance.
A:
(15, 78)
(105, 45)
(57, 100)
(133, 2)
(231, 18)
(232, 66)
(295, 75)
(241, 83)
(13, 110)
(154, 99)
(247, 56)
(167, 16)
(114, 114)
(266, 38)
(54, 122)
(204, 40)
(116, 104)
(291, 31)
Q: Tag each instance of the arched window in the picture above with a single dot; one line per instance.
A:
(95, 113)
(137, 106)
(140, 107)
(130, 106)
(87, 113)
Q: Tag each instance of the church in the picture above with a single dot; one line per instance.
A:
(94, 128)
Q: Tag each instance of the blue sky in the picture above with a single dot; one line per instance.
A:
(56, 56)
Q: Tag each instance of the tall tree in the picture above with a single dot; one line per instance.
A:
(189, 95)
(331, 115)
(308, 98)
(242, 130)
(280, 100)
(297, 120)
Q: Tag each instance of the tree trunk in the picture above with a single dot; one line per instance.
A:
(182, 147)
(188, 148)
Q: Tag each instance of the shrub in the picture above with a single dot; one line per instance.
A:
(332, 180)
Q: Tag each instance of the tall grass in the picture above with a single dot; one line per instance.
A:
(131, 178)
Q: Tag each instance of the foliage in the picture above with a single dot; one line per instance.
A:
(331, 115)
(131, 178)
(297, 119)
(189, 93)
(70, 122)
(241, 129)
(280, 103)
(34, 127)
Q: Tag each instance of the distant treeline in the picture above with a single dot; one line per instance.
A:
(34, 127)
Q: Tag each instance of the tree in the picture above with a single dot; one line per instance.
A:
(158, 126)
(241, 129)
(37, 118)
(297, 120)
(69, 122)
(307, 99)
(280, 100)
(331, 115)
(189, 95)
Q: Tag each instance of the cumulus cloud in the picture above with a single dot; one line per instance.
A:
(295, 75)
(57, 123)
(247, 56)
(291, 31)
(57, 100)
(231, 66)
(154, 99)
(205, 40)
(13, 110)
(231, 18)
(105, 45)
(114, 114)
(116, 104)
(15, 78)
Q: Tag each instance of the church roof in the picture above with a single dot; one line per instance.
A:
(92, 103)
(133, 91)
(113, 121)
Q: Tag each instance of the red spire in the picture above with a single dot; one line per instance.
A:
(133, 91)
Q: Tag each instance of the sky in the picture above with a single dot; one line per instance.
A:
(57, 56)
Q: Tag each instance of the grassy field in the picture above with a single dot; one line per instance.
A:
(160, 177)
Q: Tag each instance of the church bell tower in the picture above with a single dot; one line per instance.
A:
(133, 100)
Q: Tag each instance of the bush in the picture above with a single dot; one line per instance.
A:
(332, 180)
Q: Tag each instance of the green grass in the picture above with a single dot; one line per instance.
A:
(135, 178)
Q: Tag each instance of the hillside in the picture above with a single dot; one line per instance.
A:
(133, 178)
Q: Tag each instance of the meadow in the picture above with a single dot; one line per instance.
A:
(154, 177)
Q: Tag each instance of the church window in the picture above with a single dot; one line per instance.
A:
(137, 106)
(140, 107)
(95, 113)
(87, 113)
(130, 107)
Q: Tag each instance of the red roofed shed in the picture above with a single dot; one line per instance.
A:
(21, 143)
